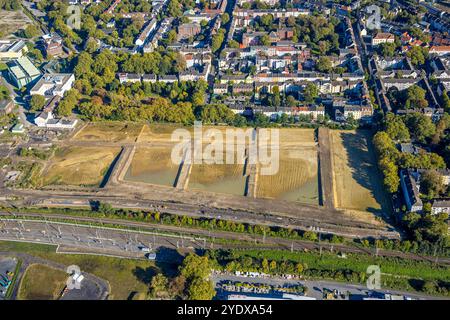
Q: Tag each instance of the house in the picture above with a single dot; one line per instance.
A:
(383, 37)
(169, 78)
(12, 49)
(187, 30)
(149, 77)
(18, 129)
(46, 118)
(129, 77)
(22, 72)
(410, 191)
(53, 45)
(55, 84)
(6, 106)
(220, 88)
(440, 206)
(439, 50)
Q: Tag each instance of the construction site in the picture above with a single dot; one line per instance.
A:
(129, 165)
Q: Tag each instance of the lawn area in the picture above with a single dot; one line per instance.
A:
(79, 165)
(126, 277)
(41, 283)
(357, 184)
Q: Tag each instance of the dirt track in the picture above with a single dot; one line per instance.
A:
(326, 170)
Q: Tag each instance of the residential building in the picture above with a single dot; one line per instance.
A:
(440, 206)
(187, 30)
(410, 191)
(383, 37)
(53, 45)
(46, 118)
(6, 106)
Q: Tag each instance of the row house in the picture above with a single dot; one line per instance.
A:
(242, 88)
(187, 30)
(148, 29)
(244, 17)
(312, 111)
(220, 88)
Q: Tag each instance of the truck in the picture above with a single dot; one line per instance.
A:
(144, 249)
(151, 256)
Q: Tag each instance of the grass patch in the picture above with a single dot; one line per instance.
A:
(42, 283)
(110, 132)
(126, 277)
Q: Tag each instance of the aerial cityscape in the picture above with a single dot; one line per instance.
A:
(224, 150)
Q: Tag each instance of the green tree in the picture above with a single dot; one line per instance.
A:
(418, 55)
(420, 126)
(310, 93)
(158, 286)
(431, 184)
(396, 128)
(200, 289)
(324, 64)
(415, 98)
(37, 102)
(30, 31)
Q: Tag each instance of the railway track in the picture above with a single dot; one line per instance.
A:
(255, 241)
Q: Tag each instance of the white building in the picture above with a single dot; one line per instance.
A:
(51, 85)
(46, 118)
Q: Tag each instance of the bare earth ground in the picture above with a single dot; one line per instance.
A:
(109, 132)
(117, 135)
(11, 21)
(152, 165)
(221, 178)
(297, 178)
(79, 165)
(296, 168)
(357, 184)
